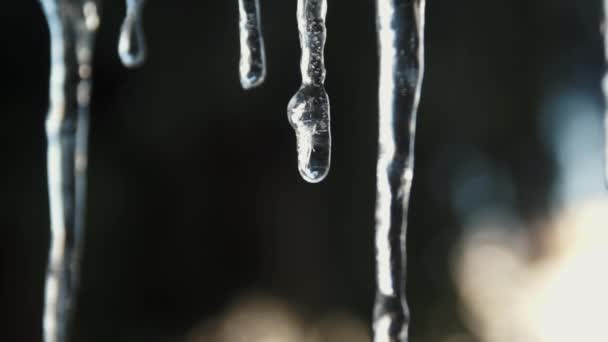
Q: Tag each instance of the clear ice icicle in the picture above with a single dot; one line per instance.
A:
(132, 41)
(308, 110)
(400, 32)
(252, 65)
(72, 25)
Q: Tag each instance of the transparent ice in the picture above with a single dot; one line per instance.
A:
(400, 26)
(252, 65)
(132, 41)
(72, 25)
(308, 110)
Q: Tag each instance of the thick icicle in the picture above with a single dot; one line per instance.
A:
(400, 26)
(252, 65)
(72, 25)
(132, 41)
(308, 110)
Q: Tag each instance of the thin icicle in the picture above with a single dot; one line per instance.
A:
(132, 41)
(308, 110)
(605, 88)
(400, 26)
(252, 66)
(72, 25)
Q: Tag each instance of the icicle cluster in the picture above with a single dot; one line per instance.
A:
(400, 25)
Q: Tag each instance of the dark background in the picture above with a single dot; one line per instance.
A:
(194, 195)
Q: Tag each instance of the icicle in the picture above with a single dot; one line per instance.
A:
(605, 89)
(132, 41)
(72, 25)
(252, 66)
(308, 110)
(400, 25)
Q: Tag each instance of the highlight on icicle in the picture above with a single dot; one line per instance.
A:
(400, 34)
(252, 64)
(72, 25)
(308, 109)
(132, 40)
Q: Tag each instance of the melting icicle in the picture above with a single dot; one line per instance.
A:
(308, 110)
(252, 66)
(400, 26)
(72, 25)
(132, 41)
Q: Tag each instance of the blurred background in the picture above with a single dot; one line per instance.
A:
(199, 227)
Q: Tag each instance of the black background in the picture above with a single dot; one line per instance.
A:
(194, 195)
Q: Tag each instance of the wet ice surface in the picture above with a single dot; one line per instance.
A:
(132, 40)
(308, 110)
(72, 25)
(252, 65)
(400, 25)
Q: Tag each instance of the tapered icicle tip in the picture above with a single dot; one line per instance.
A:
(308, 114)
(132, 41)
(252, 79)
(314, 173)
(252, 64)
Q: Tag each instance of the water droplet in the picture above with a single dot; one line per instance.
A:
(308, 111)
(252, 65)
(132, 41)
